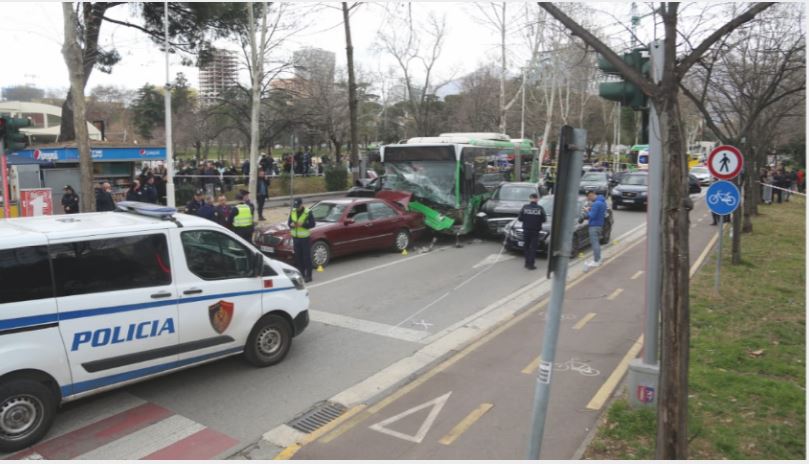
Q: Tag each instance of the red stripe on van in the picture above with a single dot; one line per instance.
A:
(205, 444)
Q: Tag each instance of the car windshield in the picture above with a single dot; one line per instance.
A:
(699, 170)
(635, 180)
(328, 212)
(512, 193)
(594, 177)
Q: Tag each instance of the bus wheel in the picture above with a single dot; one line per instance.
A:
(321, 254)
(402, 240)
(27, 408)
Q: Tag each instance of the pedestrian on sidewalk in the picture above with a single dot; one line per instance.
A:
(766, 181)
(195, 204)
(800, 177)
(207, 209)
(300, 222)
(104, 201)
(262, 191)
(222, 212)
(70, 201)
(596, 213)
(532, 217)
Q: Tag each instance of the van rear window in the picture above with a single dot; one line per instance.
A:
(107, 265)
(25, 274)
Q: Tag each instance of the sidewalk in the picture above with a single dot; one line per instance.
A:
(476, 404)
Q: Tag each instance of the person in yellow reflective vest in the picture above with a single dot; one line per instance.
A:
(299, 222)
(241, 219)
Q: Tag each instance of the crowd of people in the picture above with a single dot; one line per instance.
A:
(777, 184)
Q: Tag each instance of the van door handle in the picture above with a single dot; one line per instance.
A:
(161, 295)
(192, 291)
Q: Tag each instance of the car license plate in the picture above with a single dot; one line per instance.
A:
(520, 243)
(268, 249)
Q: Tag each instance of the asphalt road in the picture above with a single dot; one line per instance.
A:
(368, 312)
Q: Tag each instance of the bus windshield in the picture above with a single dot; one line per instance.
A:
(433, 181)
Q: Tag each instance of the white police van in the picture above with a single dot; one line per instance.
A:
(90, 302)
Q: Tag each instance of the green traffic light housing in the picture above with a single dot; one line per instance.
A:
(10, 133)
(623, 91)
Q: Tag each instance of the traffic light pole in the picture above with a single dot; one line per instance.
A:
(644, 373)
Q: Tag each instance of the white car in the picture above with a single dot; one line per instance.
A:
(90, 302)
(702, 174)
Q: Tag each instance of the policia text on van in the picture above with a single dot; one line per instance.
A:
(89, 302)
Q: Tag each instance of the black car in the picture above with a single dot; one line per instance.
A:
(632, 191)
(616, 177)
(595, 181)
(367, 188)
(514, 240)
(693, 184)
(504, 205)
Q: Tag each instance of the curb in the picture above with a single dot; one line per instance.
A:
(442, 345)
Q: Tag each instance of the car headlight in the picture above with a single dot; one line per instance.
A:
(295, 277)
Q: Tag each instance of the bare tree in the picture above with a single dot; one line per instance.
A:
(73, 54)
(352, 91)
(760, 66)
(672, 411)
(410, 43)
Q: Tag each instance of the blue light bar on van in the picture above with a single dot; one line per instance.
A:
(146, 209)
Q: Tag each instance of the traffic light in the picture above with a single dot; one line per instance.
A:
(624, 91)
(10, 133)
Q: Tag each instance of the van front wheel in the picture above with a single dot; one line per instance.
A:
(269, 341)
(27, 408)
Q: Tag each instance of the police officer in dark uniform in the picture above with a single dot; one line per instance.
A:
(532, 217)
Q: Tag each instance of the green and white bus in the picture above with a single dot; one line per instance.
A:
(451, 175)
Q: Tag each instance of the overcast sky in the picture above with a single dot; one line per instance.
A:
(33, 34)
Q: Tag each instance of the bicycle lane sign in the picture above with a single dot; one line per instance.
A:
(723, 197)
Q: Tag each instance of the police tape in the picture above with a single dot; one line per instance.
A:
(793, 192)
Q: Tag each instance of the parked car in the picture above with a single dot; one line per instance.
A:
(367, 188)
(693, 184)
(702, 174)
(515, 241)
(595, 181)
(632, 191)
(504, 206)
(344, 226)
(615, 178)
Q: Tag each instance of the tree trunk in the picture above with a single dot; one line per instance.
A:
(257, 52)
(352, 97)
(736, 244)
(72, 53)
(502, 117)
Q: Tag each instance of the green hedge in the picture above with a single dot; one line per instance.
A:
(336, 179)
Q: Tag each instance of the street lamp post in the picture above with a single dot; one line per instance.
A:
(169, 152)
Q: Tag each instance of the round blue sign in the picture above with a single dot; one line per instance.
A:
(723, 197)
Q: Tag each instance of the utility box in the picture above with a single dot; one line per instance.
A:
(642, 383)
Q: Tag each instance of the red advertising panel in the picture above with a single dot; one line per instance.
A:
(36, 202)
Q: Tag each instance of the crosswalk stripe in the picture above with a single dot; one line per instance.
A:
(205, 444)
(146, 440)
(90, 437)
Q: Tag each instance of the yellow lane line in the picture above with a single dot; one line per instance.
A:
(530, 368)
(587, 318)
(353, 422)
(702, 256)
(636, 275)
(290, 450)
(464, 424)
(606, 390)
(615, 294)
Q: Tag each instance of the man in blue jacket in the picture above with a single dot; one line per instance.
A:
(596, 213)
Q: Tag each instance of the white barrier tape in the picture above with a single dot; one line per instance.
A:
(793, 192)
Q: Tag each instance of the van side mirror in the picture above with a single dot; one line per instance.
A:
(348, 222)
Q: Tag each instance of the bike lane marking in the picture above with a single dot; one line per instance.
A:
(636, 275)
(587, 318)
(436, 405)
(615, 294)
(465, 423)
(609, 385)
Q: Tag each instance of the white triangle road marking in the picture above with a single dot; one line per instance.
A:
(436, 404)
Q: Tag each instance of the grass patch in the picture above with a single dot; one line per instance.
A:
(747, 390)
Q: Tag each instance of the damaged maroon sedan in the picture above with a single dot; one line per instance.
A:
(345, 226)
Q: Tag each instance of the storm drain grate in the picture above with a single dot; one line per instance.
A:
(320, 415)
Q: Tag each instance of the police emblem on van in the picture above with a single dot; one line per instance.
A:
(221, 313)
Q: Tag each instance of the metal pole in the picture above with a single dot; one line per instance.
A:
(522, 117)
(552, 320)
(719, 250)
(4, 174)
(653, 220)
(169, 152)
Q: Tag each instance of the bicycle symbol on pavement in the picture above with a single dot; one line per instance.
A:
(573, 364)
